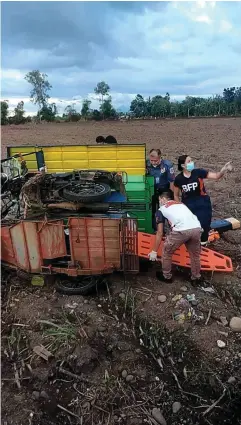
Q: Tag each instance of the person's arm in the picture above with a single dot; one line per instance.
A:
(171, 176)
(147, 167)
(217, 176)
(177, 193)
(160, 219)
(159, 235)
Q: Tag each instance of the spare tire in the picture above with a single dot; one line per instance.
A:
(82, 285)
(97, 192)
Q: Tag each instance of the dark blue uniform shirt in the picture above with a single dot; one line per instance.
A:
(163, 174)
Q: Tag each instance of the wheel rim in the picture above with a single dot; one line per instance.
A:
(78, 283)
(96, 189)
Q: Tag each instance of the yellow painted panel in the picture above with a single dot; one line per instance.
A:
(32, 165)
(131, 163)
(53, 156)
(52, 149)
(133, 171)
(74, 148)
(102, 164)
(129, 158)
(76, 164)
(74, 156)
(29, 158)
(102, 155)
(128, 155)
(131, 148)
(57, 170)
(21, 149)
(54, 164)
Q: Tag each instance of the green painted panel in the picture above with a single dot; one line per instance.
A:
(144, 219)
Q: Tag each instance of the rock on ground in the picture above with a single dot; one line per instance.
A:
(235, 324)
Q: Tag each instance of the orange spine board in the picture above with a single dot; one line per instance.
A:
(210, 260)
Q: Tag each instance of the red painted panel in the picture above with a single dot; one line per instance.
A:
(20, 246)
(7, 252)
(95, 243)
(52, 239)
(33, 245)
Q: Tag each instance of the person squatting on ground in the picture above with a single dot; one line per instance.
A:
(163, 172)
(190, 187)
(185, 229)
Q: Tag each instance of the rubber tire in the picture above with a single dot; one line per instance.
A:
(75, 197)
(90, 286)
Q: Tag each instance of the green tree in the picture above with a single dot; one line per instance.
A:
(160, 106)
(102, 89)
(71, 114)
(107, 109)
(96, 115)
(48, 112)
(85, 110)
(19, 112)
(41, 86)
(4, 112)
(229, 94)
(237, 100)
(138, 106)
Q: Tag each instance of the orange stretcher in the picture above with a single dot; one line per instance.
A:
(210, 260)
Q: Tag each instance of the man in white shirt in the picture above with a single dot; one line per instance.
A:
(186, 229)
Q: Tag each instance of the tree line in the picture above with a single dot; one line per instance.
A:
(159, 106)
(227, 104)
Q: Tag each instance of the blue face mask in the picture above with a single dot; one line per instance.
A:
(190, 166)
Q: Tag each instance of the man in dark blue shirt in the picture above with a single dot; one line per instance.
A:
(163, 172)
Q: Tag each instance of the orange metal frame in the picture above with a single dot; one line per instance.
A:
(210, 260)
(97, 246)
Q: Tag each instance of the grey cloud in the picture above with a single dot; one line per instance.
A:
(79, 43)
(74, 33)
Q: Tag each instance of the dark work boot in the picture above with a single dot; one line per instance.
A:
(198, 282)
(159, 276)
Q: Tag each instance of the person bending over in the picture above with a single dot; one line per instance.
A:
(189, 184)
(163, 172)
(185, 229)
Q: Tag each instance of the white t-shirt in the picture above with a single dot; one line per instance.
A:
(178, 215)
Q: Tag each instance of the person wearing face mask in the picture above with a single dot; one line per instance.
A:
(163, 172)
(185, 229)
(189, 185)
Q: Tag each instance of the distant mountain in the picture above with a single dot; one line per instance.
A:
(123, 108)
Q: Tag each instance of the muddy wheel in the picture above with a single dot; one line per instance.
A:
(95, 192)
(79, 286)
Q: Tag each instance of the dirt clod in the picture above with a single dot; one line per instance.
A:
(184, 288)
(232, 380)
(224, 320)
(176, 406)
(35, 395)
(158, 416)
(129, 378)
(124, 374)
(162, 298)
(44, 395)
(221, 344)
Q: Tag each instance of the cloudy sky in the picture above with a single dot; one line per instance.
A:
(185, 48)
